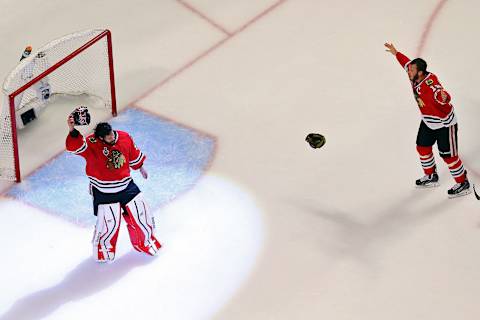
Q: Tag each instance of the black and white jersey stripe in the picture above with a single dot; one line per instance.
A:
(434, 122)
(110, 186)
(137, 160)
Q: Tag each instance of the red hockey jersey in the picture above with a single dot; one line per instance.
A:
(436, 113)
(108, 166)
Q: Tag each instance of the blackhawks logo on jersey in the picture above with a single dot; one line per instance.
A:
(419, 100)
(116, 160)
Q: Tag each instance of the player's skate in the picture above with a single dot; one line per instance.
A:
(428, 181)
(459, 189)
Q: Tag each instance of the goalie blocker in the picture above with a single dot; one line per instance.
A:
(109, 208)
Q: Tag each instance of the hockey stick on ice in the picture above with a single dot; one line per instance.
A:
(475, 192)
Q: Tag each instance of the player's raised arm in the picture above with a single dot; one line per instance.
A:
(402, 59)
(390, 48)
(75, 142)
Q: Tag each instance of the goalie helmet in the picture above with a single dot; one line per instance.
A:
(81, 116)
(315, 140)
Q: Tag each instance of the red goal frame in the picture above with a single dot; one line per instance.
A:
(11, 98)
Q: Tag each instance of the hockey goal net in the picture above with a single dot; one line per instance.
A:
(77, 64)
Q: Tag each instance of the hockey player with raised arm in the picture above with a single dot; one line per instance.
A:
(109, 155)
(438, 124)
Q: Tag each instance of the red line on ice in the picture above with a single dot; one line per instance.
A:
(429, 25)
(202, 55)
(203, 16)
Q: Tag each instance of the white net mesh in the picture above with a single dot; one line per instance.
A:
(85, 73)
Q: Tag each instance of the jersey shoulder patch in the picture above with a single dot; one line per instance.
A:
(92, 139)
(429, 82)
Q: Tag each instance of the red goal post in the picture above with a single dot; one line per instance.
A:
(75, 64)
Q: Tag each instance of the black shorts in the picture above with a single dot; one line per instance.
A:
(446, 139)
(123, 197)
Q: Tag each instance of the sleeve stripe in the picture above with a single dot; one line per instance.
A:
(139, 156)
(138, 160)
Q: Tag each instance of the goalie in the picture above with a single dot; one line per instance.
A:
(109, 155)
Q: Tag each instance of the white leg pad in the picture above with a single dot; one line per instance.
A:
(106, 232)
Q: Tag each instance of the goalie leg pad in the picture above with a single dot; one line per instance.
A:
(106, 232)
(141, 226)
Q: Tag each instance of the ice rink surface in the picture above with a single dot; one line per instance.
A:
(272, 229)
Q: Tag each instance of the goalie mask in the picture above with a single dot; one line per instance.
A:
(81, 116)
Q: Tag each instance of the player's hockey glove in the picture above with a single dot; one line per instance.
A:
(315, 140)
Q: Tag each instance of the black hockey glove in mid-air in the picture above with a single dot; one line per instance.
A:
(315, 140)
